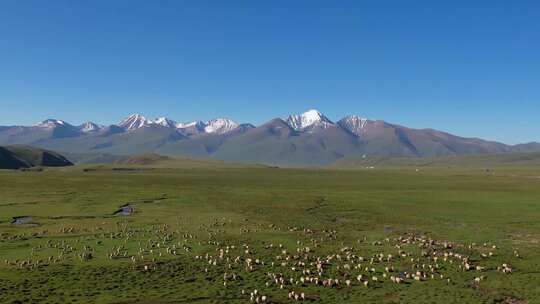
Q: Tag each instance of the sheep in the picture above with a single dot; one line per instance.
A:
(479, 279)
(506, 268)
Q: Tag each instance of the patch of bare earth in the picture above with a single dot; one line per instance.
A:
(525, 238)
(510, 300)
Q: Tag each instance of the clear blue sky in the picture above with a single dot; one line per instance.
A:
(468, 67)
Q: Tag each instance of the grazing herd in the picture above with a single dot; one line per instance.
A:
(291, 265)
(405, 259)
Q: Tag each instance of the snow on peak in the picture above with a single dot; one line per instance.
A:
(183, 125)
(165, 122)
(217, 126)
(135, 121)
(89, 126)
(309, 119)
(220, 125)
(354, 124)
(51, 123)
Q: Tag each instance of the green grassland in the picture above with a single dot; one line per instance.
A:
(493, 161)
(202, 232)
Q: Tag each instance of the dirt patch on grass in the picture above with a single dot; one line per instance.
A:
(511, 300)
(525, 238)
(392, 298)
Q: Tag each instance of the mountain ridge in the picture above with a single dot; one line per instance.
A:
(309, 138)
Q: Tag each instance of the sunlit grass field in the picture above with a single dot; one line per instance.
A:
(192, 227)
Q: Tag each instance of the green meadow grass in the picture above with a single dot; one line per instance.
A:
(204, 208)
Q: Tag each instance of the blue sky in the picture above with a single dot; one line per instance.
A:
(467, 67)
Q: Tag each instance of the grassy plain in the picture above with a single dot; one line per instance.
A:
(74, 250)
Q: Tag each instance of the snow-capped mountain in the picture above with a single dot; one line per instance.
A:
(50, 128)
(220, 126)
(354, 124)
(183, 125)
(165, 122)
(191, 128)
(89, 127)
(52, 123)
(215, 126)
(135, 121)
(308, 121)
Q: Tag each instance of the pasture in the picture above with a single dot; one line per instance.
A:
(216, 234)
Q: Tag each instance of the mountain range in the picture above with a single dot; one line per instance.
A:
(309, 138)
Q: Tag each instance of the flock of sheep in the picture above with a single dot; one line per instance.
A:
(411, 259)
(294, 269)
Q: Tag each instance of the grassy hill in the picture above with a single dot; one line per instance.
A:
(149, 161)
(19, 156)
(9, 160)
(93, 158)
(159, 161)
